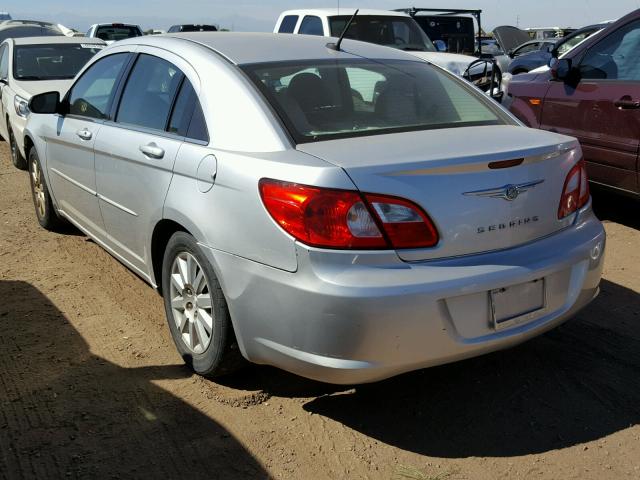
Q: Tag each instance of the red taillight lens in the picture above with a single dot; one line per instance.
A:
(575, 193)
(329, 218)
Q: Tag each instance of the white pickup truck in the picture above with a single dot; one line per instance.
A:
(383, 27)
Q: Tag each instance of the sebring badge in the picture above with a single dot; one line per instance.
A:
(507, 192)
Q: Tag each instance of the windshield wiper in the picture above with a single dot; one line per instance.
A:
(414, 49)
(29, 77)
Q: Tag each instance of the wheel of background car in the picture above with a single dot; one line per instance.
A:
(45, 212)
(16, 157)
(196, 310)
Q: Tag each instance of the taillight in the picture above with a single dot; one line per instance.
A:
(575, 193)
(344, 219)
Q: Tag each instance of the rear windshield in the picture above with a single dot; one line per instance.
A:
(117, 32)
(321, 100)
(392, 31)
(51, 61)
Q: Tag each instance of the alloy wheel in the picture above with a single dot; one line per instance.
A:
(38, 189)
(191, 302)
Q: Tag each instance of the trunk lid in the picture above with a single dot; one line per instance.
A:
(447, 173)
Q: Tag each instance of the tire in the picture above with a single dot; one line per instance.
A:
(45, 211)
(197, 311)
(16, 157)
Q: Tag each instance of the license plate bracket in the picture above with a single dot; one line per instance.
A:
(517, 303)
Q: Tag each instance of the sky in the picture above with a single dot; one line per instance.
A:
(256, 15)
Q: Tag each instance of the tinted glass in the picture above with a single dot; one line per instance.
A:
(392, 31)
(617, 57)
(288, 24)
(567, 45)
(347, 98)
(531, 47)
(193, 28)
(27, 31)
(149, 93)
(187, 119)
(4, 62)
(51, 62)
(117, 32)
(311, 26)
(90, 95)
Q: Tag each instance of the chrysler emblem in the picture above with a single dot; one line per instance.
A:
(507, 192)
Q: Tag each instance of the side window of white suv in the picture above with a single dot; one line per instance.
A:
(4, 62)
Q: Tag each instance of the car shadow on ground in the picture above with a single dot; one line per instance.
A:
(575, 384)
(614, 207)
(65, 412)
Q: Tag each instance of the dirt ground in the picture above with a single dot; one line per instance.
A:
(91, 385)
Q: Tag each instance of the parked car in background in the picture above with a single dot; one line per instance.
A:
(33, 65)
(112, 32)
(592, 93)
(192, 28)
(527, 61)
(27, 28)
(543, 33)
(389, 28)
(5, 16)
(527, 56)
(343, 216)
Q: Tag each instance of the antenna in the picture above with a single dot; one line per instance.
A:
(336, 46)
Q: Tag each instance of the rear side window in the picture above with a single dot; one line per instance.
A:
(148, 95)
(311, 25)
(187, 119)
(288, 24)
(90, 96)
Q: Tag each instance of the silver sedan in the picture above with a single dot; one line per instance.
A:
(345, 213)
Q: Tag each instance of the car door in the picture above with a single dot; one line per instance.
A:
(4, 87)
(602, 109)
(136, 152)
(70, 156)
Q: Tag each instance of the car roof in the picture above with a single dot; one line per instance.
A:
(29, 25)
(55, 40)
(330, 12)
(111, 24)
(245, 48)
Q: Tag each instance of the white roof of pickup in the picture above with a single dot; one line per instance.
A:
(330, 12)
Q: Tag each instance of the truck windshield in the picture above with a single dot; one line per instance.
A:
(327, 99)
(51, 61)
(390, 31)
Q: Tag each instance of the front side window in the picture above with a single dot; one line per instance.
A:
(51, 62)
(392, 31)
(531, 47)
(616, 57)
(90, 96)
(311, 26)
(288, 24)
(4, 62)
(320, 100)
(148, 95)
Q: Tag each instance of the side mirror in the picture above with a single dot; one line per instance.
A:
(440, 45)
(48, 102)
(562, 69)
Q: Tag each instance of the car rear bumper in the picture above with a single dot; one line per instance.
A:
(361, 317)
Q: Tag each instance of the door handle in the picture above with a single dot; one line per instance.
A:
(626, 103)
(84, 134)
(152, 150)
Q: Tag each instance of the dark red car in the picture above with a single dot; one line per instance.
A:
(592, 93)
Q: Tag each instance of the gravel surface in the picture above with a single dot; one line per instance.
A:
(91, 385)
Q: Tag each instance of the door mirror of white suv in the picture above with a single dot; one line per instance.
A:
(48, 102)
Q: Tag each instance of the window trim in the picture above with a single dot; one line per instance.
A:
(65, 100)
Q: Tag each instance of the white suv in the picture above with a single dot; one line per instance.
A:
(112, 32)
(392, 29)
(33, 65)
